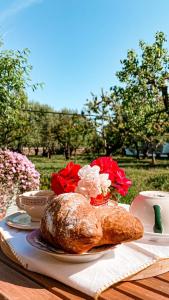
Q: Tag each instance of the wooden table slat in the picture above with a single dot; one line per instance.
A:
(112, 294)
(61, 290)
(132, 289)
(164, 277)
(14, 284)
(155, 285)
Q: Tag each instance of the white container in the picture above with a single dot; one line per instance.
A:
(142, 207)
(34, 202)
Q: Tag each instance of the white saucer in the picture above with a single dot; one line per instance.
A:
(34, 238)
(154, 237)
(21, 220)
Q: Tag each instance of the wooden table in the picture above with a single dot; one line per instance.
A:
(17, 283)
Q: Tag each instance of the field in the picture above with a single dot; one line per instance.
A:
(143, 175)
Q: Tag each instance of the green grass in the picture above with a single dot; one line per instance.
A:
(143, 175)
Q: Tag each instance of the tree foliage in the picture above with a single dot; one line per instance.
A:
(71, 131)
(14, 78)
(138, 106)
(133, 114)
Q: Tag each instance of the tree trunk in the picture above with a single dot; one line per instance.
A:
(108, 150)
(19, 148)
(75, 153)
(137, 151)
(165, 97)
(123, 151)
(70, 151)
(49, 153)
(67, 152)
(153, 158)
(145, 151)
(36, 151)
(44, 153)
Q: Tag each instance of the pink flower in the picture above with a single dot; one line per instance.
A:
(88, 188)
(15, 170)
(92, 183)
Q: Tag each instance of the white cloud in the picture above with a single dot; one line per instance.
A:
(17, 7)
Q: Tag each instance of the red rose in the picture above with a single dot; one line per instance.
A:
(106, 164)
(117, 176)
(65, 181)
(121, 183)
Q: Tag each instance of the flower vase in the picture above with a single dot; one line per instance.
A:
(12, 207)
(7, 205)
(113, 200)
(2, 206)
(100, 200)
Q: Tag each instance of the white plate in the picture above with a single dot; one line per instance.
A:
(21, 220)
(34, 238)
(151, 236)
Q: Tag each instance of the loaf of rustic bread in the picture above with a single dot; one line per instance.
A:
(70, 222)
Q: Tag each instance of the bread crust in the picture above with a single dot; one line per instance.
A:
(71, 223)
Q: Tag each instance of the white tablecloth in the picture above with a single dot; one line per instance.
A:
(93, 277)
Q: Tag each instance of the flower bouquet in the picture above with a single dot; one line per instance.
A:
(17, 175)
(99, 182)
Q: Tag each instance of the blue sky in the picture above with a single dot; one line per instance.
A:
(76, 46)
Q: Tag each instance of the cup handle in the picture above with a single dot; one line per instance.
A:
(158, 228)
(18, 202)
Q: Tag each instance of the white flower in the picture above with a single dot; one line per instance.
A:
(105, 183)
(92, 183)
(88, 171)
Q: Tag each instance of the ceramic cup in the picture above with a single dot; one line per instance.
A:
(34, 202)
(152, 208)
